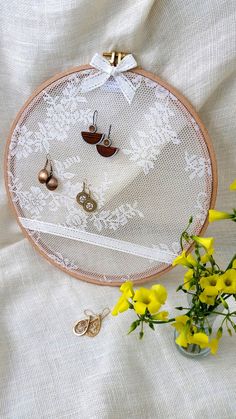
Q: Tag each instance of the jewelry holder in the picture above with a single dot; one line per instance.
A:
(164, 172)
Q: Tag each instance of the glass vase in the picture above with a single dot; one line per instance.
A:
(194, 350)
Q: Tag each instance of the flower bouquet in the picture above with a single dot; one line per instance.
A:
(208, 288)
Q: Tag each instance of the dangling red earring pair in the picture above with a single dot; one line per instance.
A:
(102, 142)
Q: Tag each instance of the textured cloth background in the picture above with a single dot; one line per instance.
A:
(46, 371)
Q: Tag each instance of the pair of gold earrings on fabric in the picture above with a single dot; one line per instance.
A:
(90, 326)
(101, 140)
(83, 198)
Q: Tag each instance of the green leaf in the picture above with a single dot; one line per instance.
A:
(219, 332)
(224, 302)
(152, 326)
(133, 326)
(141, 334)
(229, 331)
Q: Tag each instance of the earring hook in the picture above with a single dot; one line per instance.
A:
(95, 117)
(109, 132)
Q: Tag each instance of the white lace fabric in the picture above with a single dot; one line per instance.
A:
(161, 175)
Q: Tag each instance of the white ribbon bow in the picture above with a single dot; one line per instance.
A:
(106, 70)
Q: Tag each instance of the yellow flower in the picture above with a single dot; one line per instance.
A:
(233, 186)
(234, 264)
(127, 289)
(205, 258)
(182, 325)
(146, 299)
(187, 279)
(121, 306)
(191, 260)
(209, 295)
(206, 242)
(182, 339)
(218, 215)
(184, 260)
(211, 281)
(162, 315)
(160, 293)
(228, 281)
(180, 322)
(214, 345)
(200, 339)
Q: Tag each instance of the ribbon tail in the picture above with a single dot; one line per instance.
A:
(93, 82)
(127, 88)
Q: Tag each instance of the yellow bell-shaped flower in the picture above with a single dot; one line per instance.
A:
(209, 295)
(215, 215)
(145, 299)
(206, 242)
(200, 339)
(160, 293)
(127, 289)
(121, 306)
(233, 186)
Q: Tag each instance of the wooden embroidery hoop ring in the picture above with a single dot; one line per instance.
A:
(84, 276)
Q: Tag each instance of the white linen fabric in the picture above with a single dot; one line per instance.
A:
(46, 371)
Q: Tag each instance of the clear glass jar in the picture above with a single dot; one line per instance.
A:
(194, 350)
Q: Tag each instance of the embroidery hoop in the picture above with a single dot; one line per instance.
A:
(147, 274)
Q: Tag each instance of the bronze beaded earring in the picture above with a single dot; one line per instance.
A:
(45, 176)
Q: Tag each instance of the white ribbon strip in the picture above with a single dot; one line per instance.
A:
(98, 240)
(106, 70)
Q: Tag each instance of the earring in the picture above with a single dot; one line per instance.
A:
(92, 325)
(81, 326)
(105, 149)
(83, 198)
(47, 177)
(92, 137)
(89, 204)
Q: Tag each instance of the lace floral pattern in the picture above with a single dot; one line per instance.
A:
(126, 200)
(145, 150)
(197, 166)
(35, 200)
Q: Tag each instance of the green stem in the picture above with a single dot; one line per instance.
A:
(160, 321)
(231, 262)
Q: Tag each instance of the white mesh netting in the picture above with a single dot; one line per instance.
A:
(145, 193)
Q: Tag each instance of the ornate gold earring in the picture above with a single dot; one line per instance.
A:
(89, 204)
(83, 198)
(81, 327)
(92, 325)
(45, 176)
(92, 136)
